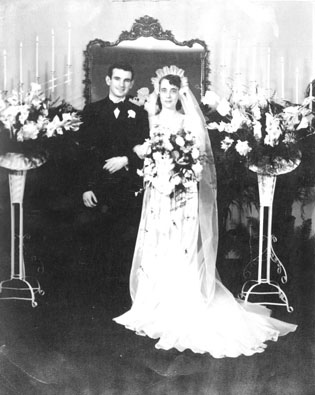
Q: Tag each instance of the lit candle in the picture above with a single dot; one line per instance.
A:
(36, 60)
(21, 63)
(297, 85)
(52, 60)
(313, 42)
(69, 43)
(238, 64)
(254, 68)
(52, 50)
(268, 70)
(4, 70)
(282, 76)
(238, 55)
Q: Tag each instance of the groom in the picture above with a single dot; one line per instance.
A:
(111, 128)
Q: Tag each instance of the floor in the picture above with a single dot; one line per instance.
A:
(69, 345)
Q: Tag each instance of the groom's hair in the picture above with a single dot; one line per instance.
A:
(120, 66)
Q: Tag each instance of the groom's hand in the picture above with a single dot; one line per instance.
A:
(115, 164)
(89, 199)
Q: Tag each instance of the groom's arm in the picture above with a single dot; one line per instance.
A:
(134, 137)
(140, 134)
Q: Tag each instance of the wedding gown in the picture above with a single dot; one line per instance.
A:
(167, 286)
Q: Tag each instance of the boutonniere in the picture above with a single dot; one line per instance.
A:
(131, 114)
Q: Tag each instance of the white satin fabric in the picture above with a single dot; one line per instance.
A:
(177, 297)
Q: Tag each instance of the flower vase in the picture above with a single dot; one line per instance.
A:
(18, 286)
(263, 285)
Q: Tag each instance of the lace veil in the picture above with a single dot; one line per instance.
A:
(208, 223)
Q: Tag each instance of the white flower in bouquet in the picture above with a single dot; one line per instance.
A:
(189, 136)
(180, 141)
(195, 154)
(197, 169)
(176, 180)
(167, 144)
(226, 143)
(172, 160)
(242, 147)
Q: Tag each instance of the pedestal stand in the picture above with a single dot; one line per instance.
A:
(264, 285)
(18, 286)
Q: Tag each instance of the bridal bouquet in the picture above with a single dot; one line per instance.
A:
(172, 161)
(28, 123)
(263, 131)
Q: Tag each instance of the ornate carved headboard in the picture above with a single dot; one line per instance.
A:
(146, 47)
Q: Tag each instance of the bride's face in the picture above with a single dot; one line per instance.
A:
(169, 95)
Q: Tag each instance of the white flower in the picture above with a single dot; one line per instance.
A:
(256, 111)
(180, 141)
(143, 95)
(211, 99)
(167, 144)
(23, 114)
(66, 117)
(197, 169)
(14, 99)
(131, 114)
(52, 126)
(140, 172)
(176, 180)
(257, 130)
(289, 139)
(242, 147)
(35, 87)
(269, 141)
(2, 104)
(223, 126)
(189, 136)
(237, 120)
(157, 156)
(29, 131)
(273, 130)
(303, 124)
(195, 153)
(226, 143)
(36, 102)
(213, 126)
(223, 107)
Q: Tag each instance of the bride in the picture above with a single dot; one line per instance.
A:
(177, 296)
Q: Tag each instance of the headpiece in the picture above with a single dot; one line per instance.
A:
(167, 70)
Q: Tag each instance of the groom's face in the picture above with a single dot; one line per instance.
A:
(119, 83)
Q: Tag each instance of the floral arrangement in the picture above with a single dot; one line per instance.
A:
(142, 96)
(263, 132)
(172, 160)
(28, 123)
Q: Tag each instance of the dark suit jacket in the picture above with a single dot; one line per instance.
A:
(102, 137)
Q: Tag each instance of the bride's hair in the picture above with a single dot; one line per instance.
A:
(173, 80)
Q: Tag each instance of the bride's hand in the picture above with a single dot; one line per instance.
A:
(141, 149)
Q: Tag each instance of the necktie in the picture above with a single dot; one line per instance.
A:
(117, 107)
